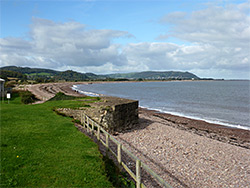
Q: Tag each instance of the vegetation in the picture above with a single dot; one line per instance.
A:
(71, 76)
(153, 75)
(27, 70)
(27, 97)
(42, 149)
(117, 178)
(47, 75)
(6, 74)
(61, 96)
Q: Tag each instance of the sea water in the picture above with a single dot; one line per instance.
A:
(221, 102)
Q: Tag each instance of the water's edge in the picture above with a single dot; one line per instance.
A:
(76, 88)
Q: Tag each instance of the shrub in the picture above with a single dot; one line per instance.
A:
(61, 96)
(27, 97)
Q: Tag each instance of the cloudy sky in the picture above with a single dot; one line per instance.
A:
(207, 38)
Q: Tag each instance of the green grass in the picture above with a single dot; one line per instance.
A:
(40, 74)
(42, 149)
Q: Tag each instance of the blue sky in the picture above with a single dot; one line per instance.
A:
(132, 16)
(208, 38)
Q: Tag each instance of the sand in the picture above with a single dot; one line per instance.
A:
(184, 152)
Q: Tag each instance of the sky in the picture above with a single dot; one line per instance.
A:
(208, 38)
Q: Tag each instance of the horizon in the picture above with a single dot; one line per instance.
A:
(210, 39)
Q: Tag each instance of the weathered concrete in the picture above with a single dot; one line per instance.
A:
(114, 114)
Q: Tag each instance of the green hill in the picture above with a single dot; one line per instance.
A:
(44, 75)
(29, 71)
(5, 74)
(155, 75)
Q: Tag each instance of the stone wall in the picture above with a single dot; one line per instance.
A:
(114, 114)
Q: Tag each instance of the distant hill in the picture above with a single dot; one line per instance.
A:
(27, 70)
(48, 75)
(155, 75)
(42, 75)
(5, 74)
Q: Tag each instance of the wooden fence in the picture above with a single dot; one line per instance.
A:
(97, 130)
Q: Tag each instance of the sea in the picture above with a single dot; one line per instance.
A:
(221, 102)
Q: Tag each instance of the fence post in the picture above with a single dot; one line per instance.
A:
(92, 122)
(87, 124)
(90, 126)
(82, 118)
(119, 156)
(98, 132)
(107, 142)
(138, 174)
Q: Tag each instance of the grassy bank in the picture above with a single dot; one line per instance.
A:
(42, 149)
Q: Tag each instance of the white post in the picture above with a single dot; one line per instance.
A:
(8, 97)
(138, 174)
(81, 114)
(98, 132)
(119, 156)
(87, 124)
(107, 141)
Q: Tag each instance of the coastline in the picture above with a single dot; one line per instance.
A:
(227, 134)
(221, 113)
(183, 151)
(234, 136)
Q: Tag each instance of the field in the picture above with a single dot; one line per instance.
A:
(42, 149)
(40, 74)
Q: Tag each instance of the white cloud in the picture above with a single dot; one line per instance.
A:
(218, 45)
(221, 36)
(214, 25)
(56, 45)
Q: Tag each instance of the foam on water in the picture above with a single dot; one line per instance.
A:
(215, 121)
(91, 94)
(220, 102)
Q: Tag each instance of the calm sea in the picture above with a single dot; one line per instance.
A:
(221, 102)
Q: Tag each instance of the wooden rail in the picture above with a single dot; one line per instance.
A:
(96, 130)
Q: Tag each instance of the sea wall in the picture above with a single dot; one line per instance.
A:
(113, 114)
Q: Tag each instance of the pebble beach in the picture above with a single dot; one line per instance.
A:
(184, 152)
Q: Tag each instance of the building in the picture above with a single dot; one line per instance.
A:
(2, 81)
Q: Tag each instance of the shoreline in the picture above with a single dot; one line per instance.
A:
(186, 152)
(213, 122)
(227, 125)
(235, 136)
(227, 134)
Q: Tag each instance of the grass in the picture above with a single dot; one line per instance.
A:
(42, 149)
(40, 74)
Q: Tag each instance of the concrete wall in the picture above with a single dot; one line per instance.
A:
(114, 114)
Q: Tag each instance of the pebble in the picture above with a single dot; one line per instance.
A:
(184, 159)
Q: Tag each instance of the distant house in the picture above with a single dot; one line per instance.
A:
(2, 81)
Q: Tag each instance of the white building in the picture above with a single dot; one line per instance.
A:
(2, 81)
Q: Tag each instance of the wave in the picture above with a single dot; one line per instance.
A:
(173, 112)
(220, 122)
(91, 94)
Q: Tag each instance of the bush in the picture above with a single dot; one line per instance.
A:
(61, 96)
(27, 97)
(10, 84)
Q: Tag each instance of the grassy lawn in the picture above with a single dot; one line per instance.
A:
(42, 149)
